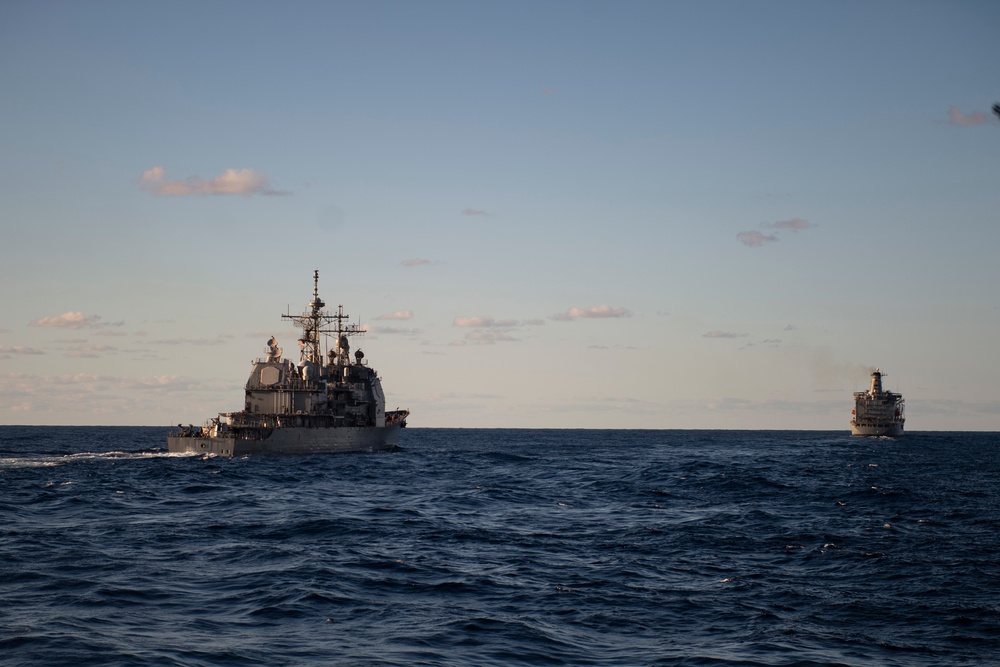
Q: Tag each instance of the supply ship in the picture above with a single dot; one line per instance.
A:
(323, 404)
(877, 412)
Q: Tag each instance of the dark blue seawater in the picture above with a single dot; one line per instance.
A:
(503, 547)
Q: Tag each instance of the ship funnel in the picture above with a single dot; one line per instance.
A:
(876, 382)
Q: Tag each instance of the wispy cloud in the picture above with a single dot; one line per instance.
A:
(398, 315)
(956, 117)
(90, 351)
(473, 211)
(73, 320)
(489, 330)
(7, 350)
(47, 385)
(484, 322)
(795, 224)
(88, 394)
(616, 405)
(415, 262)
(231, 182)
(754, 238)
(593, 312)
(218, 340)
(724, 334)
(489, 337)
(770, 342)
(377, 330)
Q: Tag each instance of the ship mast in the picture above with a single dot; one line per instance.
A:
(316, 321)
(343, 347)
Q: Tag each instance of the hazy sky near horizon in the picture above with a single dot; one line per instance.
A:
(547, 214)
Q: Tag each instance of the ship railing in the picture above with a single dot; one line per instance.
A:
(290, 383)
(396, 416)
(899, 419)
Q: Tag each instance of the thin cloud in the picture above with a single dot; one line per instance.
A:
(90, 351)
(473, 211)
(489, 337)
(956, 117)
(101, 399)
(231, 182)
(771, 342)
(415, 262)
(724, 334)
(398, 315)
(795, 223)
(73, 320)
(755, 238)
(7, 350)
(218, 340)
(483, 322)
(389, 331)
(47, 385)
(594, 312)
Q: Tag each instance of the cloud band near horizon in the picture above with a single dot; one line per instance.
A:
(231, 182)
(593, 312)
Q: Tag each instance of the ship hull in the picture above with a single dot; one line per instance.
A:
(292, 440)
(890, 430)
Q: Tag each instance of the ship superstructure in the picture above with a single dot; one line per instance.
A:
(325, 403)
(877, 412)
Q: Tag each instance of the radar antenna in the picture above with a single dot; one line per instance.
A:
(316, 322)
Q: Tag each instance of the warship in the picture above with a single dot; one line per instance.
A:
(877, 412)
(323, 404)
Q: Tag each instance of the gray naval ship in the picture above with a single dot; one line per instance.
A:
(877, 412)
(316, 406)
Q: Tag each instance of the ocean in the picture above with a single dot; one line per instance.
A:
(503, 547)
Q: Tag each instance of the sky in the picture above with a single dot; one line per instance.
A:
(669, 214)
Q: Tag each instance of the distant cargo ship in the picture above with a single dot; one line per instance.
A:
(877, 412)
(324, 404)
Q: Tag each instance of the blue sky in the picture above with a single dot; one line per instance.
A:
(547, 214)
